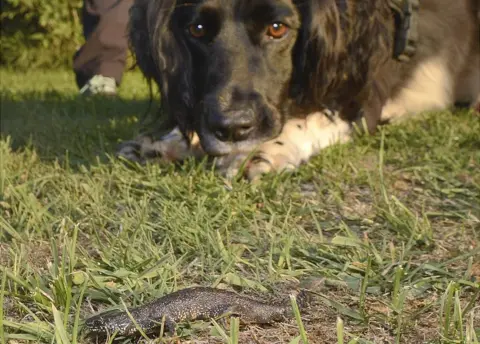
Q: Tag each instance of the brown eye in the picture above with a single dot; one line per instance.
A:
(197, 30)
(277, 30)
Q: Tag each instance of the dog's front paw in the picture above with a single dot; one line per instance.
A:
(263, 164)
(130, 150)
(170, 147)
(273, 156)
(231, 166)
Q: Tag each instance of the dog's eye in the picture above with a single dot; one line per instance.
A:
(197, 30)
(277, 30)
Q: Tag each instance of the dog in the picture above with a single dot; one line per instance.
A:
(264, 85)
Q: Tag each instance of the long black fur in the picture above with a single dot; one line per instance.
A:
(164, 59)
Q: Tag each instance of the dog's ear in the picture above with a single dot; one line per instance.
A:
(163, 57)
(139, 39)
(317, 50)
(340, 45)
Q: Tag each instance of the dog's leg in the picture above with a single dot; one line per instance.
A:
(300, 140)
(468, 83)
(170, 147)
(431, 87)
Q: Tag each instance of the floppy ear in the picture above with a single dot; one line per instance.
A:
(163, 57)
(339, 47)
(316, 52)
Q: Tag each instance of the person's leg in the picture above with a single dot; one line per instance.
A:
(103, 56)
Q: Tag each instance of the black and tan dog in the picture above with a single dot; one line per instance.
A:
(287, 78)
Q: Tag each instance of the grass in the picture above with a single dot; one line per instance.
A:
(390, 222)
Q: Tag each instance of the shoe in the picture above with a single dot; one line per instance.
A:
(100, 85)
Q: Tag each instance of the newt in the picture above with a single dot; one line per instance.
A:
(196, 303)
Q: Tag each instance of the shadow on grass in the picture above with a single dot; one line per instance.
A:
(69, 127)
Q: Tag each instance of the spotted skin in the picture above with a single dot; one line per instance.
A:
(197, 303)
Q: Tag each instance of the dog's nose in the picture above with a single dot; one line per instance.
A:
(233, 125)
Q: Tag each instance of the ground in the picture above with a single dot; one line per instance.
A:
(390, 222)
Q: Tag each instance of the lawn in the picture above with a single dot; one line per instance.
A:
(390, 223)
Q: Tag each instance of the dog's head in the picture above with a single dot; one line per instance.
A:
(225, 68)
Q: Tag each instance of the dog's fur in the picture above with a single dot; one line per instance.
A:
(300, 93)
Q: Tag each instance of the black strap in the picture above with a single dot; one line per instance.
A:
(405, 13)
